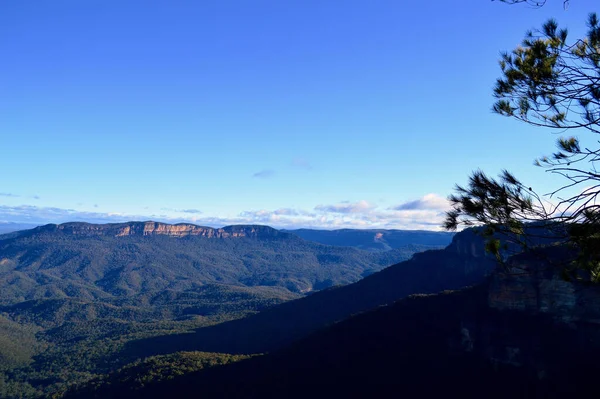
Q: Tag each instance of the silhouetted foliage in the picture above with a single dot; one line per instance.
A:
(553, 83)
(533, 3)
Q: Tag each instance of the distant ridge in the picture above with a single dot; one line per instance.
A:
(10, 227)
(151, 228)
(375, 239)
(106, 261)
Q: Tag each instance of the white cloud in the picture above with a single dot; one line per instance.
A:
(346, 207)
(427, 202)
(423, 214)
(196, 211)
(43, 215)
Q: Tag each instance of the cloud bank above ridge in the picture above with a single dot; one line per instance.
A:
(425, 213)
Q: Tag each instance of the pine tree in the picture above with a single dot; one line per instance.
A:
(552, 83)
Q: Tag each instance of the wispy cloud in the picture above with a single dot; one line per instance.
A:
(195, 211)
(292, 212)
(301, 163)
(42, 215)
(423, 214)
(429, 202)
(427, 213)
(190, 210)
(12, 195)
(264, 174)
(347, 207)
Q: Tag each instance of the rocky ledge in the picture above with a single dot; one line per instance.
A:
(533, 283)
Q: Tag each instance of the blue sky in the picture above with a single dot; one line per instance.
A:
(289, 113)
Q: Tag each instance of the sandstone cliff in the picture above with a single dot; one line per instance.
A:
(535, 285)
(537, 323)
(151, 228)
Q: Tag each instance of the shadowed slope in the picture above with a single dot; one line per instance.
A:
(444, 345)
(461, 264)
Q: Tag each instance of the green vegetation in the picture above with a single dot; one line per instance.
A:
(152, 370)
(78, 303)
(53, 344)
(278, 326)
(447, 344)
(45, 263)
(17, 343)
(76, 352)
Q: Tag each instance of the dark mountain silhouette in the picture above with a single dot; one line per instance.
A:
(456, 344)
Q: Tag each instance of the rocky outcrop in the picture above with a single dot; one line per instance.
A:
(532, 321)
(533, 284)
(156, 228)
(468, 243)
(532, 281)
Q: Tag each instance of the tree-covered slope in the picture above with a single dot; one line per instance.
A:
(462, 263)
(135, 376)
(17, 343)
(448, 344)
(94, 262)
(206, 300)
(89, 290)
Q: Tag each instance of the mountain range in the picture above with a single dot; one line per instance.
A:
(146, 309)
(90, 295)
(76, 295)
(117, 261)
(9, 227)
(375, 239)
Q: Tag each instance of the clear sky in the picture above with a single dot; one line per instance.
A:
(288, 113)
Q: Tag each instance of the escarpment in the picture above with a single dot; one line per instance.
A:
(151, 228)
